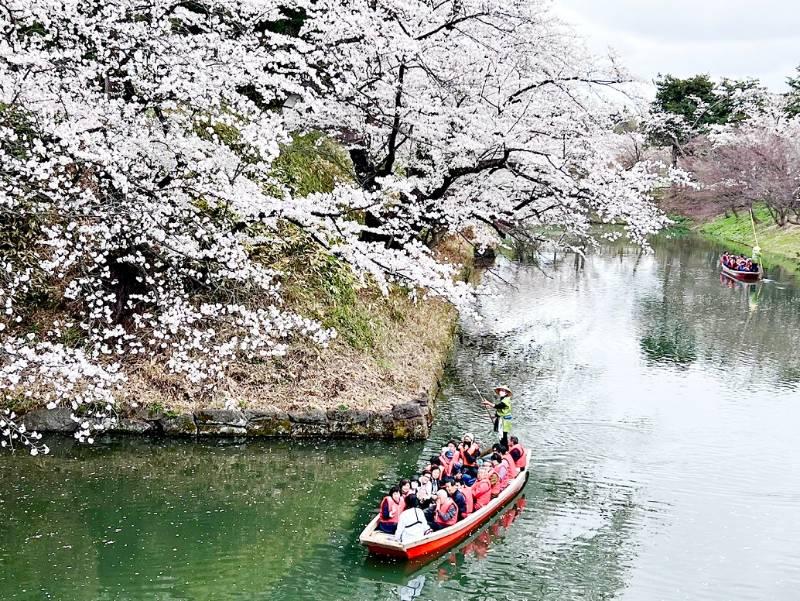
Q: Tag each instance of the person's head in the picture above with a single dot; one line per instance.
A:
(496, 458)
(502, 392)
(405, 485)
(450, 485)
(441, 495)
(483, 473)
(514, 440)
(414, 483)
(499, 448)
(452, 444)
(435, 461)
(468, 438)
(436, 473)
(411, 501)
(425, 478)
(394, 492)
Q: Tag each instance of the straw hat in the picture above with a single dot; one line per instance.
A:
(468, 436)
(505, 389)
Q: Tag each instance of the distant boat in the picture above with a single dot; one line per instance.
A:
(386, 545)
(742, 276)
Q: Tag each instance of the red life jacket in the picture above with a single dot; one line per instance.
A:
(467, 492)
(474, 450)
(513, 470)
(481, 493)
(448, 503)
(395, 509)
(520, 463)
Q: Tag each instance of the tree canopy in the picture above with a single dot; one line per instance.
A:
(140, 193)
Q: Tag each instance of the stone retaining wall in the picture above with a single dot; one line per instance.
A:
(408, 420)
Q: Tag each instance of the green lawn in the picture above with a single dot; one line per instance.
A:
(782, 244)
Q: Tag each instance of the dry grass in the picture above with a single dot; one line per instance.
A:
(411, 344)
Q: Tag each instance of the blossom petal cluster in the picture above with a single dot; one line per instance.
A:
(137, 188)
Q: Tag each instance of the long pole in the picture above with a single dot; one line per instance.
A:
(488, 413)
(756, 248)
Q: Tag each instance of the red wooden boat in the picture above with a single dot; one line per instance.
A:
(386, 545)
(742, 276)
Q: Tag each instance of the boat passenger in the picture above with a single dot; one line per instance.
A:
(425, 491)
(500, 469)
(511, 466)
(405, 487)
(470, 451)
(449, 458)
(390, 510)
(517, 452)
(468, 496)
(436, 478)
(482, 489)
(458, 497)
(412, 524)
(446, 511)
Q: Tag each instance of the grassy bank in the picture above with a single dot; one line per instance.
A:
(780, 245)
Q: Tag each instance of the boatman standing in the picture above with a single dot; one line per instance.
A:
(502, 413)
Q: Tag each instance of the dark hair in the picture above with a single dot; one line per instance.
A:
(497, 457)
(452, 442)
(405, 481)
(447, 481)
(499, 448)
(514, 440)
(394, 489)
(426, 471)
(436, 461)
(414, 479)
(411, 501)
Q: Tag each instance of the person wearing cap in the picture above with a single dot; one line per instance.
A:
(502, 413)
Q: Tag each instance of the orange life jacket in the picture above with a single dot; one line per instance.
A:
(513, 470)
(444, 508)
(467, 492)
(481, 493)
(395, 509)
(474, 450)
(520, 463)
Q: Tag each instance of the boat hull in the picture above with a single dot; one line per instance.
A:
(383, 545)
(743, 276)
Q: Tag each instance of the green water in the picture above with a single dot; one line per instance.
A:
(661, 406)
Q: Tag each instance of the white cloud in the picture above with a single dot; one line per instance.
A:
(733, 38)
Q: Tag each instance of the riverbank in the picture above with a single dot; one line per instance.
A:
(377, 378)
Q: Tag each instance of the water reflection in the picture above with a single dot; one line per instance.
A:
(659, 405)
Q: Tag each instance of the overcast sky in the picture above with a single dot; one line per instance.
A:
(733, 38)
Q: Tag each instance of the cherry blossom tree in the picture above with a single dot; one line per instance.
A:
(137, 190)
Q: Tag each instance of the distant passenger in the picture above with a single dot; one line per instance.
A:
(412, 524)
(391, 508)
